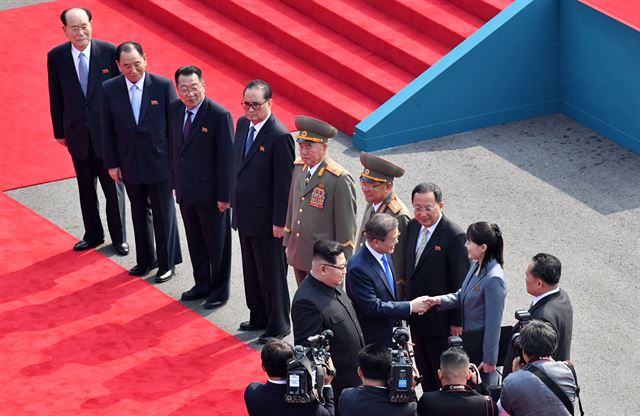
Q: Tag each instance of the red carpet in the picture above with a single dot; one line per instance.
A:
(78, 335)
(625, 11)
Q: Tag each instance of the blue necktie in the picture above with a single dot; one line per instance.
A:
(387, 271)
(83, 73)
(247, 146)
(135, 102)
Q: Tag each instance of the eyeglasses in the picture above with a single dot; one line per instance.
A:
(194, 89)
(254, 106)
(342, 268)
(424, 209)
(368, 186)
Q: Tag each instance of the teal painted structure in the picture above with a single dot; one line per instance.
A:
(536, 57)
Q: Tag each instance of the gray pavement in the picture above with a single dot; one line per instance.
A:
(551, 184)
(12, 4)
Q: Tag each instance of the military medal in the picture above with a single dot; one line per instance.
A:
(317, 197)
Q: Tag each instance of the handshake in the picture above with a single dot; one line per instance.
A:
(422, 304)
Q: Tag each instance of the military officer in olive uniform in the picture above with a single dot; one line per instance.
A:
(376, 182)
(322, 200)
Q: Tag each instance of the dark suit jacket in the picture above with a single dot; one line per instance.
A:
(202, 163)
(557, 310)
(375, 302)
(268, 399)
(466, 402)
(317, 307)
(262, 179)
(140, 151)
(75, 117)
(372, 401)
(440, 270)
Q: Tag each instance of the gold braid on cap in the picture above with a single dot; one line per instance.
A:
(367, 175)
(305, 136)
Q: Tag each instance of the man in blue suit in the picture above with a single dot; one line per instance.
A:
(371, 285)
(76, 71)
(135, 137)
(201, 149)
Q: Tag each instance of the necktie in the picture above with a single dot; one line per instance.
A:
(422, 245)
(387, 272)
(83, 73)
(307, 177)
(247, 146)
(187, 126)
(135, 102)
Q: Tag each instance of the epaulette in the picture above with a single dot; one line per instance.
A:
(335, 168)
(298, 161)
(394, 206)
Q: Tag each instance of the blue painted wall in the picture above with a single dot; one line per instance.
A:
(600, 73)
(536, 57)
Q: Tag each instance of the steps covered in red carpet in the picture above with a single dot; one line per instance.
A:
(339, 59)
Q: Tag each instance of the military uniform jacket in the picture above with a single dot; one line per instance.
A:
(323, 209)
(394, 206)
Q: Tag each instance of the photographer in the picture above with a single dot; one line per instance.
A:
(268, 398)
(543, 385)
(459, 394)
(372, 397)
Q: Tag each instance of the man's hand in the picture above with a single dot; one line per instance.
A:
(223, 206)
(456, 331)
(115, 174)
(420, 305)
(517, 365)
(487, 368)
(433, 301)
(62, 142)
(330, 372)
(278, 232)
(475, 374)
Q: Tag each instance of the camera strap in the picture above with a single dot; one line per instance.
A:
(553, 387)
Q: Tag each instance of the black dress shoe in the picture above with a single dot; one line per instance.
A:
(248, 326)
(164, 275)
(85, 245)
(212, 304)
(264, 338)
(193, 294)
(138, 270)
(122, 248)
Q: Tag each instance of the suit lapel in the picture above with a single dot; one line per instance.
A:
(257, 141)
(539, 304)
(146, 93)
(94, 68)
(433, 240)
(412, 239)
(375, 265)
(69, 67)
(196, 125)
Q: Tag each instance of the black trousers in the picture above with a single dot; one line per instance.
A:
(88, 171)
(156, 199)
(427, 351)
(265, 283)
(209, 238)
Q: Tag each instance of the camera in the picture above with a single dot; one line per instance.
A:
(307, 368)
(523, 316)
(400, 384)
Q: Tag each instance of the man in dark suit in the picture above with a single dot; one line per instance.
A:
(268, 399)
(76, 71)
(550, 304)
(201, 154)
(437, 263)
(371, 284)
(319, 305)
(372, 397)
(262, 166)
(457, 397)
(135, 138)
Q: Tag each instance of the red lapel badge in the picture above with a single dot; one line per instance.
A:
(105, 71)
(154, 102)
(262, 148)
(205, 130)
(437, 248)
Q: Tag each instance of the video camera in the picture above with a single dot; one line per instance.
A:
(306, 370)
(523, 317)
(401, 382)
